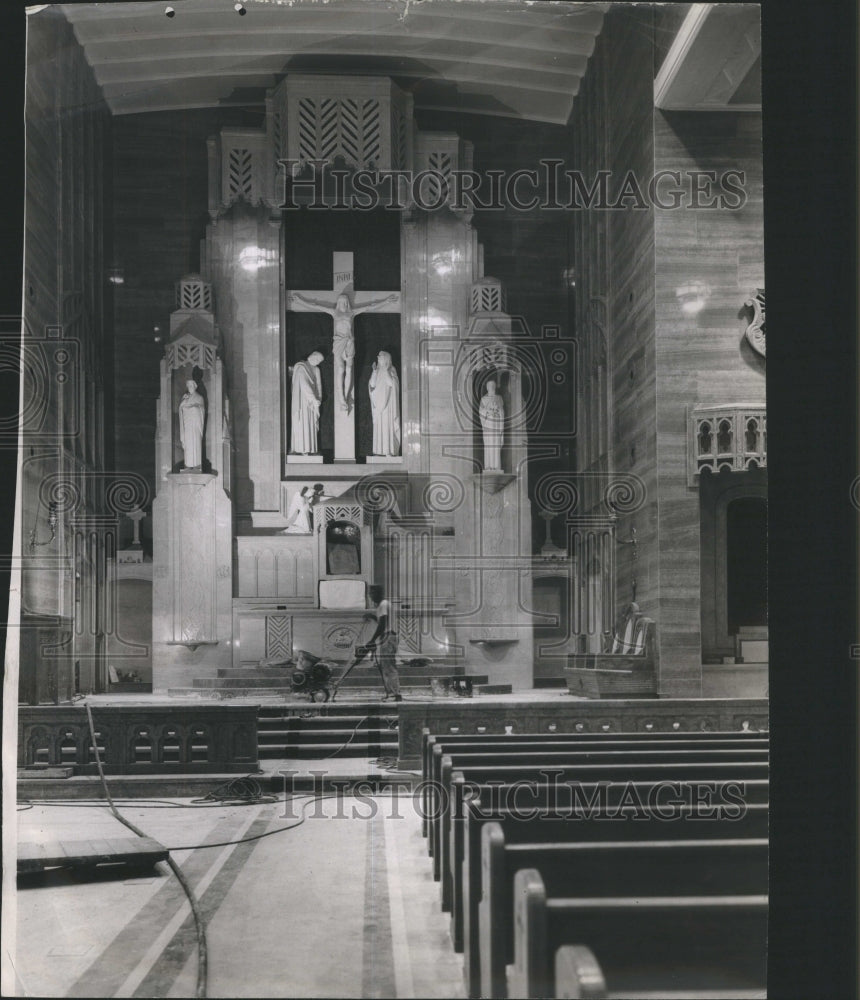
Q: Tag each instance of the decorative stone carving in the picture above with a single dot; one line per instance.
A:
(279, 636)
(755, 332)
(492, 415)
(384, 390)
(726, 437)
(343, 313)
(343, 304)
(366, 121)
(192, 417)
(299, 514)
(305, 405)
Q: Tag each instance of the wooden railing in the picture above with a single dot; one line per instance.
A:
(160, 739)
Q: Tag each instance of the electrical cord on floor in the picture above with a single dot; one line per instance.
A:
(313, 798)
(237, 792)
(389, 764)
(202, 954)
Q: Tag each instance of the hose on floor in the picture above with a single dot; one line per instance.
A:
(199, 923)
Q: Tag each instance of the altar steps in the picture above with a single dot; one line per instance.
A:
(363, 731)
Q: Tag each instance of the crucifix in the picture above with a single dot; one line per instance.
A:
(343, 305)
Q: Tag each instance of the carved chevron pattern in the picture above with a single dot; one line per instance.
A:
(279, 636)
(407, 632)
(240, 173)
(329, 128)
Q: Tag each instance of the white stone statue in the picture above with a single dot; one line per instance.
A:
(299, 514)
(384, 389)
(305, 402)
(343, 344)
(492, 414)
(192, 414)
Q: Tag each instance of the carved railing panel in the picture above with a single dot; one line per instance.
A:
(733, 438)
(136, 740)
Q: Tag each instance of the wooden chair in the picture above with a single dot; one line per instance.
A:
(626, 668)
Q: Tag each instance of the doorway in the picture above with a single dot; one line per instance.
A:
(746, 563)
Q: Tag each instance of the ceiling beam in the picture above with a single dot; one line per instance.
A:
(716, 46)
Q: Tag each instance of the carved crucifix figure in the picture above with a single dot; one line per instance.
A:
(343, 305)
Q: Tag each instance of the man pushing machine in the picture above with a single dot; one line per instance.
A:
(382, 645)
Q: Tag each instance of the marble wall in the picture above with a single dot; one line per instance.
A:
(662, 360)
(703, 358)
(67, 345)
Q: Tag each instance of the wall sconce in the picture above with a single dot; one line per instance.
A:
(116, 276)
(692, 297)
(52, 524)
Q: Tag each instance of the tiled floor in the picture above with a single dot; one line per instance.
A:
(343, 905)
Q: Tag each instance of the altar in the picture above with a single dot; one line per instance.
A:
(363, 396)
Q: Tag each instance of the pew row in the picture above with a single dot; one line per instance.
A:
(564, 769)
(551, 823)
(700, 867)
(437, 747)
(643, 945)
(513, 740)
(578, 976)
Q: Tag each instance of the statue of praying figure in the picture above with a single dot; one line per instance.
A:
(192, 415)
(343, 344)
(299, 514)
(492, 414)
(306, 398)
(384, 387)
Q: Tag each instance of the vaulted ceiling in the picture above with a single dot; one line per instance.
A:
(493, 57)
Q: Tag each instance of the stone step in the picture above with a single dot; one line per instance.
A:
(280, 673)
(320, 751)
(287, 728)
(237, 692)
(357, 678)
(279, 737)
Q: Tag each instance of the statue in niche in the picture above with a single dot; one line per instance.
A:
(384, 387)
(343, 344)
(299, 514)
(192, 415)
(492, 414)
(305, 405)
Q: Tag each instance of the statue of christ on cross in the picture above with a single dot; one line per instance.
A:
(343, 305)
(343, 344)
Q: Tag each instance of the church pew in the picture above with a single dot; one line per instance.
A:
(585, 768)
(699, 867)
(503, 751)
(429, 740)
(551, 756)
(659, 944)
(578, 976)
(552, 822)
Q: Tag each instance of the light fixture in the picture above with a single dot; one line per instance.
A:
(252, 258)
(116, 276)
(692, 297)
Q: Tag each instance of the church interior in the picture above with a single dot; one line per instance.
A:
(395, 417)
